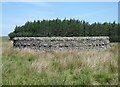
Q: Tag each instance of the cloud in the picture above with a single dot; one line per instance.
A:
(90, 14)
(60, 0)
(43, 4)
(20, 0)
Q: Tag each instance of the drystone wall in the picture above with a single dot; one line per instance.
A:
(61, 43)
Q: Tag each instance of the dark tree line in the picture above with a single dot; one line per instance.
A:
(68, 28)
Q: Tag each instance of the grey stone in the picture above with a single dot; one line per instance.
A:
(61, 43)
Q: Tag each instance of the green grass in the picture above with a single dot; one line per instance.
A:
(26, 67)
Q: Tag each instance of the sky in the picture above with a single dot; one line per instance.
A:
(18, 13)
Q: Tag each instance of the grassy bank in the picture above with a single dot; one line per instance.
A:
(25, 67)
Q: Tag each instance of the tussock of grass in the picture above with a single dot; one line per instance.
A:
(85, 67)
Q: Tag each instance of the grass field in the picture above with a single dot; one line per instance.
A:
(86, 67)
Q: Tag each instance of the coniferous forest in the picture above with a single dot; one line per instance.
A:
(67, 28)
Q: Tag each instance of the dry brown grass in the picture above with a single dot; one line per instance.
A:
(78, 59)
